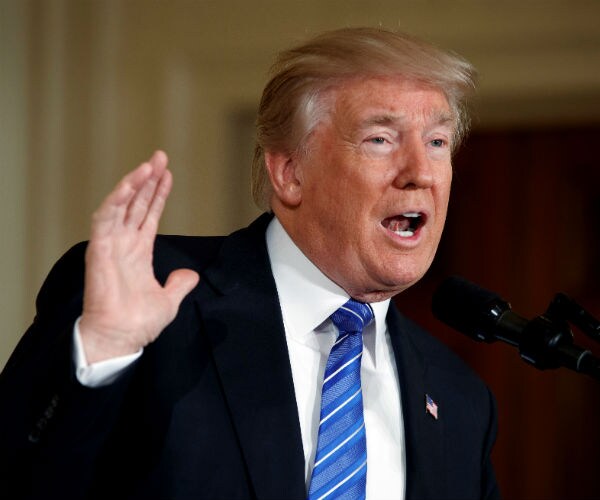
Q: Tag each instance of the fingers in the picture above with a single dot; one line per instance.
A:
(157, 204)
(129, 202)
(180, 283)
(141, 202)
(147, 207)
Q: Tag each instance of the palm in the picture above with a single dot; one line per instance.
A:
(125, 307)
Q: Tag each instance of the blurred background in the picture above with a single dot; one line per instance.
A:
(90, 88)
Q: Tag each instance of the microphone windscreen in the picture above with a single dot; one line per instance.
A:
(466, 306)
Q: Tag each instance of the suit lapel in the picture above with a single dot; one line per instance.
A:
(242, 317)
(425, 472)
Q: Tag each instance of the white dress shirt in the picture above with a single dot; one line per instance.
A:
(307, 299)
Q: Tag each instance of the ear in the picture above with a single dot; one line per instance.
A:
(283, 173)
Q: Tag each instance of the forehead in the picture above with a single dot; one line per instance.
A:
(389, 99)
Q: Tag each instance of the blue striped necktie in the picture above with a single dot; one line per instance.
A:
(340, 469)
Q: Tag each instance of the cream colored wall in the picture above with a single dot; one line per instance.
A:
(13, 178)
(89, 89)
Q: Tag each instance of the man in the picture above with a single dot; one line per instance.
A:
(181, 367)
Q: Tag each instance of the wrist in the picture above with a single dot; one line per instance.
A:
(100, 344)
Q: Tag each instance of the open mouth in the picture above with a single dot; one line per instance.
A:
(405, 225)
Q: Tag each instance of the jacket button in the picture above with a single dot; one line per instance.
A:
(42, 423)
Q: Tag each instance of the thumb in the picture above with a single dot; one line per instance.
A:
(180, 283)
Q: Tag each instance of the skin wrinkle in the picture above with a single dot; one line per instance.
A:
(321, 106)
(355, 175)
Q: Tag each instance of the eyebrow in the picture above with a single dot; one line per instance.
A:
(439, 118)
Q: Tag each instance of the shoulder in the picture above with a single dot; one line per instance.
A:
(65, 281)
(190, 252)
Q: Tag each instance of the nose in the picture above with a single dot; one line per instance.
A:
(414, 168)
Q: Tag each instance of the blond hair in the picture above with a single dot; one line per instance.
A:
(291, 104)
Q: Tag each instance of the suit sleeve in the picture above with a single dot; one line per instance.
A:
(51, 427)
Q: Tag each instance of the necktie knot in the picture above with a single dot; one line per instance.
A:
(352, 317)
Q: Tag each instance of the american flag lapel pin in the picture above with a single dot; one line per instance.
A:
(431, 406)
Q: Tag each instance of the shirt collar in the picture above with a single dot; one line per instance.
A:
(307, 297)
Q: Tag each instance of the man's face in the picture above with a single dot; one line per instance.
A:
(374, 186)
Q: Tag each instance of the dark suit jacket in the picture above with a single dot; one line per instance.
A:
(208, 411)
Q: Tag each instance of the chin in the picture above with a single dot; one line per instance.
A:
(385, 288)
(405, 272)
(401, 282)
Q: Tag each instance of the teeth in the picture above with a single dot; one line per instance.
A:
(404, 225)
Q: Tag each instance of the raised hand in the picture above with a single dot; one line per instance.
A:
(124, 306)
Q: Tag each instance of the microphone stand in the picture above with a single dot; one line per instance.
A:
(547, 341)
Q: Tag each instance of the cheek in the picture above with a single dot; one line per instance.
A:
(441, 210)
(445, 201)
(442, 192)
(340, 194)
(356, 203)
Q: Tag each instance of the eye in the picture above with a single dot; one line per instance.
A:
(438, 143)
(378, 143)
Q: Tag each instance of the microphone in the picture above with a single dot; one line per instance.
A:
(545, 342)
(476, 312)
